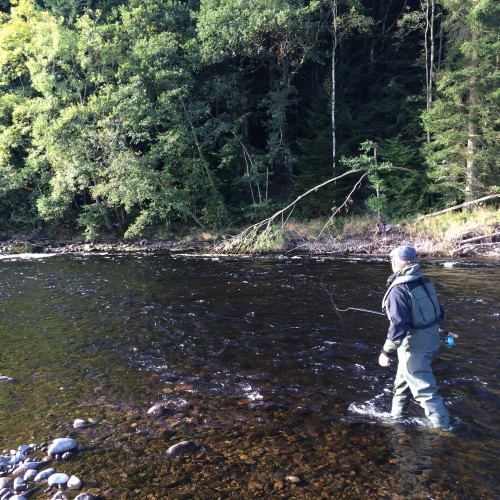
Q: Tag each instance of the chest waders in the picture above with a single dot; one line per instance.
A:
(414, 376)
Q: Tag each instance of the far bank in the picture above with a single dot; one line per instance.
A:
(451, 235)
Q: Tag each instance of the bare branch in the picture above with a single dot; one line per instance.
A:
(248, 238)
(462, 205)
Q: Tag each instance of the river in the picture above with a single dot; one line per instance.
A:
(282, 394)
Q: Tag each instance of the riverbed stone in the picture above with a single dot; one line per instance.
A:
(74, 483)
(60, 495)
(30, 475)
(19, 484)
(6, 482)
(20, 470)
(86, 496)
(80, 423)
(157, 410)
(62, 445)
(58, 478)
(44, 474)
(182, 448)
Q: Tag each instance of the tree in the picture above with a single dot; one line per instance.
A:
(463, 122)
(281, 35)
(343, 23)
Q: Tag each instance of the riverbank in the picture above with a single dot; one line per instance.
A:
(455, 236)
(350, 244)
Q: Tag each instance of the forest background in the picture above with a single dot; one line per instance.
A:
(156, 116)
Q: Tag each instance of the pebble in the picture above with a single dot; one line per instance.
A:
(58, 478)
(30, 475)
(157, 410)
(61, 445)
(20, 470)
(182, 448)
(79, 423)
(74, 483)
(60, 496)
(44, 474)
(6, 482)
(25, 473)
(19, 484)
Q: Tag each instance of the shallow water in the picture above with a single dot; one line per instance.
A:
(253, 364)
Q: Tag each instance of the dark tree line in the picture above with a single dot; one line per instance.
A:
(125, 116)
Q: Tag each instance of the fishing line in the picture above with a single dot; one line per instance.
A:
(338, 311)
(449, 337)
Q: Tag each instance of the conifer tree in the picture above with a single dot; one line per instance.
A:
(464, 119)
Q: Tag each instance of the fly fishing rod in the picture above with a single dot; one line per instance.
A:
(338, 311)
(449, 337)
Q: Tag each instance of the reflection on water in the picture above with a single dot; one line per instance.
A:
(251, 362)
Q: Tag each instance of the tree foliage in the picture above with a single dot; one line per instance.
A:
(119, 117)
(464, 120)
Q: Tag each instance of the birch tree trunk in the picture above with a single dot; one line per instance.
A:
(429, 48)
(471, 172)
(334, 5)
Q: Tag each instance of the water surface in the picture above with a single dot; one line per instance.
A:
(253, 364)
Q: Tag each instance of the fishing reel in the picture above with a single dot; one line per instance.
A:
(449, 340)
(449, 337)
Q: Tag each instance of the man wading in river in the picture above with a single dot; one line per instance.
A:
(414, 312)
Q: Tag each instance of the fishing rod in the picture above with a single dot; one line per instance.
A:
(449, 337)
(338, 311)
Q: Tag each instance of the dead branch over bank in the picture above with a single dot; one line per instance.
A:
(264, 235)
(458, 207)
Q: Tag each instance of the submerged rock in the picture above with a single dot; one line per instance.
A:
(74, 483)
(62, 445)
(44, 474)
(80, 423)
(30, 475)
(60, 495)
(21, 470)
(6, 482)
(157, 410)
(58, 478)
(182, 448)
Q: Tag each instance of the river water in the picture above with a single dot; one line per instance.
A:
(282, 394)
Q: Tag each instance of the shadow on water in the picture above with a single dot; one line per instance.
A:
(251, 362)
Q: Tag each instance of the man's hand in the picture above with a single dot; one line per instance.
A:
(384, 360)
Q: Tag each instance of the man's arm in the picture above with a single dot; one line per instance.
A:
(398, 311)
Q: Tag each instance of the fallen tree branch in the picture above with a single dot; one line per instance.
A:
(478, 238)
(254, 237)
(341, 206)
(462, 205)
(468, 248)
